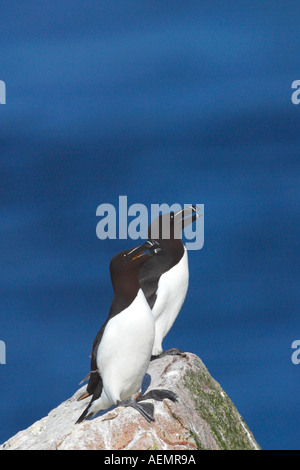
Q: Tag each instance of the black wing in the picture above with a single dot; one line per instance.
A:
(95, 377)
(95, 384)
(95, 380)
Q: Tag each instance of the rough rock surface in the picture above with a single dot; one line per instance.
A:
(203, 418)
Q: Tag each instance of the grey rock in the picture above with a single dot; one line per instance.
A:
(203, 418)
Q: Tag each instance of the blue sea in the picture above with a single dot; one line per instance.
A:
(163, 102)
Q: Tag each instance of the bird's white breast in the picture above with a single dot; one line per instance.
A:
(124, 352)
(171, 293)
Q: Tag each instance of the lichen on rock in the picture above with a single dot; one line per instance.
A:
(216, 408)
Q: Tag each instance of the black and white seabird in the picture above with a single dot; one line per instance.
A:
(122, 348)
(164, 279)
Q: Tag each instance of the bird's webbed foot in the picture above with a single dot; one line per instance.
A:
(169, 352)
(145, 409)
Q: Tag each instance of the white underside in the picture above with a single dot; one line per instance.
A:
(171, 293)
(124, 353)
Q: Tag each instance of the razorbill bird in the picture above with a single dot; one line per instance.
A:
(122, 348)
(164, 279)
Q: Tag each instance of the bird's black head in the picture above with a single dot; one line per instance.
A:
(169, 226)
(125, 266)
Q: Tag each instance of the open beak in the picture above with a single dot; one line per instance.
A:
(187, 216)
(150, 247)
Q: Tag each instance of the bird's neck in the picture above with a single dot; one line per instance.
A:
(125, 292)
(172, 247)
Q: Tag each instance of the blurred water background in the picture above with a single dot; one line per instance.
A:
(186, 102)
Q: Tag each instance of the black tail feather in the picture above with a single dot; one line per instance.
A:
(84, 415)
(96, 395)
